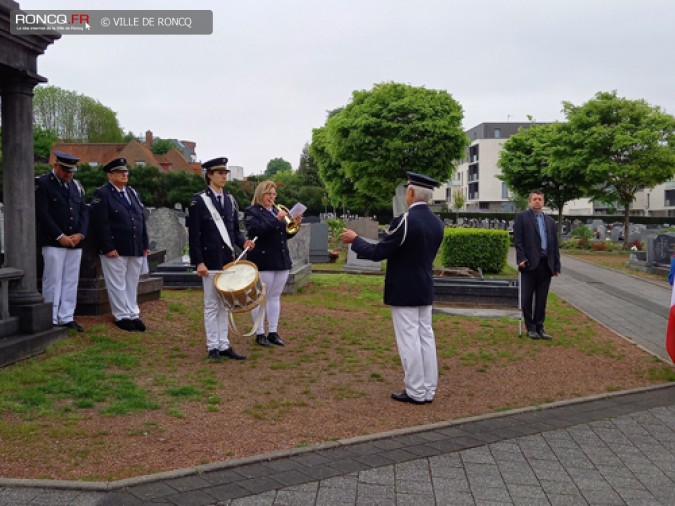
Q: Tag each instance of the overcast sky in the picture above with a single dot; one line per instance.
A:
(256, 87)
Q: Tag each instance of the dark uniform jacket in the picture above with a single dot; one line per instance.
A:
(59, 211)
(206, 244)
(410, 248)
(271, 249)
(527, 241)
(118, 224)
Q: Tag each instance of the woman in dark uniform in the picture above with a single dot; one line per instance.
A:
(264, 221)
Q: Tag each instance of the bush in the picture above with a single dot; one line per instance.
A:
(475, 248)
(583, 233)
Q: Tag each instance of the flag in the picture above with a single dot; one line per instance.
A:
(670, 330)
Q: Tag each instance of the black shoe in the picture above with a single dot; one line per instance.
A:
(261, 339)
(74, 325)
(533, 335)
(138, 325)
(126, 324)
(274, 338)
(404, 397)
(230, 353)
(543, 335)
(214, 355)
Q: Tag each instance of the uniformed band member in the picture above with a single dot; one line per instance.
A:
(264, 221)
(122, 241)
(63, 218)
(410, 248)
(213, 229)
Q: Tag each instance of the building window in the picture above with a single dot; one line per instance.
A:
(505, 191)
(93, 164)
(670, 198)
(140, 163)
(498, 133)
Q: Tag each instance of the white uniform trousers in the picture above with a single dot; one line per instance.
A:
(417, 349)
(121, 280)
(274, 283)
(59, 281)
(216, 323)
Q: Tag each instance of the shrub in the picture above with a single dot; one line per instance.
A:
(583, 233)
(475, 248)
(599, 246)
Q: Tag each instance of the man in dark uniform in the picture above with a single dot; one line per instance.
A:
(538, 257)
(410, 248)
(63, 218)
(122, 241)
(213, 227)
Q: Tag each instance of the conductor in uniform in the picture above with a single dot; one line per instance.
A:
(122, 241)
(213, 231)
(410, 247)
(63, 218)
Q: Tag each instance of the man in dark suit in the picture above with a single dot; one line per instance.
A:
(122, 240)
(410, 248)
(538, 257)
(213, 231)
(63, 219)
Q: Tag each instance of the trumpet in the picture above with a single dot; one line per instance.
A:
(292, 225)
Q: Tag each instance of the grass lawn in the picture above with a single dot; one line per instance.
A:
(108, 404)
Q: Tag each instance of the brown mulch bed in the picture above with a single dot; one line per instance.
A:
(330, 381)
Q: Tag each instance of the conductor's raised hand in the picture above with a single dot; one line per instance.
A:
(347, 236)
(249, 244)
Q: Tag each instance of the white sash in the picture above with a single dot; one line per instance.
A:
(218, 220)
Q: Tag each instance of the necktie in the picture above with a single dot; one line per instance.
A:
(219, 198)
(124, 196)
(542, 232)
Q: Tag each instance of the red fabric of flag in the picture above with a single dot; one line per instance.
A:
(670, 334)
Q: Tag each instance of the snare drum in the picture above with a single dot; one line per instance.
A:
(239, 286)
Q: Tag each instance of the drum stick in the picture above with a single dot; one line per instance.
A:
(245, 250)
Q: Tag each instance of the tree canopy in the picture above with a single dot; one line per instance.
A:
(528, 163)
(74, 117)
(276, 165)
(625, 145)
(609, 148)
(365, 149)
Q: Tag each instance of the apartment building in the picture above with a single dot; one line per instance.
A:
(476, 175)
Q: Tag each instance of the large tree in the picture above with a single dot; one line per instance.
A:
(626, 145)
(74, 117)
(340, 187)
(532, 159)
(384, 132)
(276, 165)
(308, 170)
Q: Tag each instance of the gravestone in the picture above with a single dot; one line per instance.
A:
(318, 243)
(664, 248)
(167, 233)
(601, 232)
(616, 233)
(361, 265)
(365, 227)
(398, 203)
(301, 269)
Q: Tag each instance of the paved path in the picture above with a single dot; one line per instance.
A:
(634, 308)
(610, 449)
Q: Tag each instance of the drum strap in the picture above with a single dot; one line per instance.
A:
(218, 220)
(260, 317)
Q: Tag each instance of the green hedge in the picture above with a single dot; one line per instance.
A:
(474, 248)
